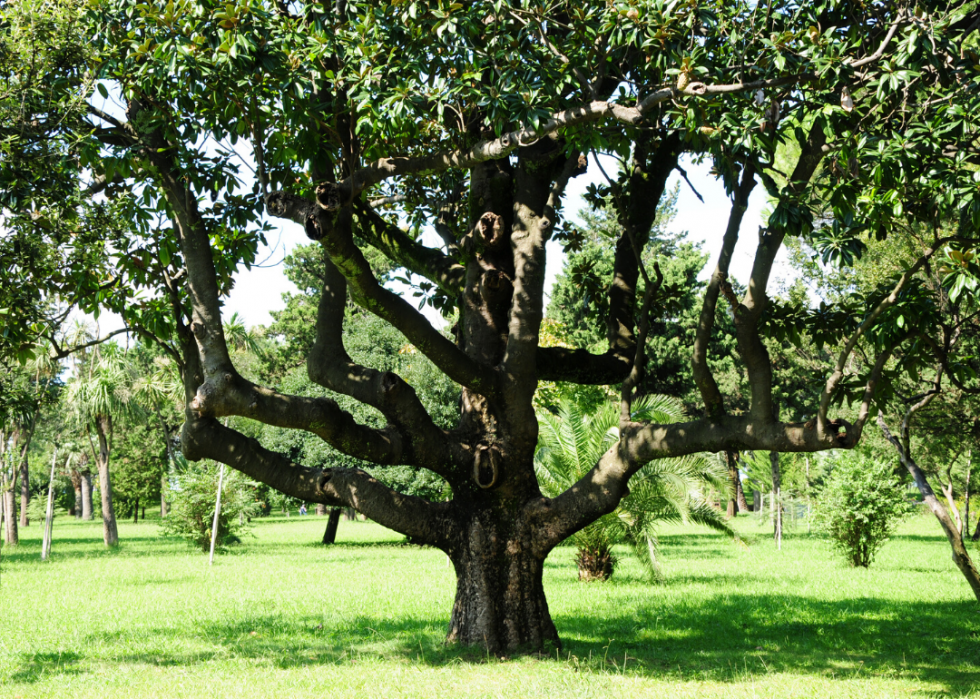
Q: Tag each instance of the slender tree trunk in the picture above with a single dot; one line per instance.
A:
(87, 513)
(136, 511)
(961, 556)
(25, 493)
(330, 534)
(756, 501)
(734, 504)
(163, 495)
(10, 516)
(76, 484)
(350, 514)
(143, 514)
(777, 503)
(110, 532)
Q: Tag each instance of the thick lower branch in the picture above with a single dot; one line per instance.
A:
(420, 519)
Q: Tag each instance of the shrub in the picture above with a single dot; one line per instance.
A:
(192, 505)
(860, 505)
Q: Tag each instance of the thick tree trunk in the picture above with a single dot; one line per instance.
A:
(10, 518)
(777, 504)
(321, 509)
(86, 484)
(500, 602)
(25, 493)
(110, 533)
(756, 501)
(330, 534)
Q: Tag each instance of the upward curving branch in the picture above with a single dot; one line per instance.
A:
(703, 378)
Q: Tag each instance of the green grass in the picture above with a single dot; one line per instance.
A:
(282, 617)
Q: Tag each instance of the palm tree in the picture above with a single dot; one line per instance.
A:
(101, 391)
(669, 490)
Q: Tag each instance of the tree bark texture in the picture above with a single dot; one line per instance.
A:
(25, 493)
(500, 602)
(110, 532)
(330, 533)
(321, 510)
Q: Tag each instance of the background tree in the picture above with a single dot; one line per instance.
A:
(99, 395)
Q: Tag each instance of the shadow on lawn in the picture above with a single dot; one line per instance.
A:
(34, 666)
(730, 638)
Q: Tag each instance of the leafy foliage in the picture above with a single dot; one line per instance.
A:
(667, 490)
(860, 505)
(193, 499)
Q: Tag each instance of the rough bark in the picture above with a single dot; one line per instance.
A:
(500, 602)
(330, 533)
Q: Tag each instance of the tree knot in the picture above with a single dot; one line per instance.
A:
(328, 196)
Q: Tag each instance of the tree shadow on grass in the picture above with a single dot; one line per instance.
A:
(34, 666)
(730, 638)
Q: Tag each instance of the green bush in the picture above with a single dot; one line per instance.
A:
(192, 505)
(860, 505)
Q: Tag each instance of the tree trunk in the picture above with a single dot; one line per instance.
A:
(777, 503)
(163, 495)
(500, 602)
(350, 514)
(734, 501)
(25, 493)
(136, 511)
(321, 509)
(756, 501)
(10, 517)
(87, 496)
(330, 534)
(110, 533)
(961, 556)
(76, 484)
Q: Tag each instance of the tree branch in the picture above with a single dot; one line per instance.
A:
(705, 381)
(337, 239)
(420, 519)
(332, 196)
(883, 305)
(441, 269)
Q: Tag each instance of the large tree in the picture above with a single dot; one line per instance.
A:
(473, 118)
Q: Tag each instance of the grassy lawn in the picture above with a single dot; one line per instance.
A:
(282, 617)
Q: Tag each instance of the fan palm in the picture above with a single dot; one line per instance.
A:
(97, 394)
(668, 490)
